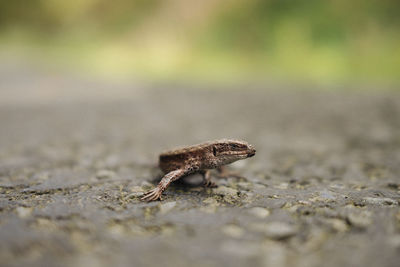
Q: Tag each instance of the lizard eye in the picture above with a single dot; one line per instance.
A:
(214, 151)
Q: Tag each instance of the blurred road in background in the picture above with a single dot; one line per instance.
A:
(76, 155)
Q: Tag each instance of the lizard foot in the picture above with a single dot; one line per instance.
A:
(153, 194)
(209, 184)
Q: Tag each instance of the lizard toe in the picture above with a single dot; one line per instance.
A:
(210, 184)
(151, 195)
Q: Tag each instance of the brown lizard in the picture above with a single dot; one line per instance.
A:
(199, 158)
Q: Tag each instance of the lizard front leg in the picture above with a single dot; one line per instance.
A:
(207, 179)
(156, 193)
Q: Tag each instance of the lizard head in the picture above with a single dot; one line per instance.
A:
(228, 151)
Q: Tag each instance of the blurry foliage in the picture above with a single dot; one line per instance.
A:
(52, 16)
(335, 40)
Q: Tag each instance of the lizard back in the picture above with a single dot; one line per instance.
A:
(181, 157)
(196, 156)
(170, 162)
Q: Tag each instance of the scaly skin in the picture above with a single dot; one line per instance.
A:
(198, 158)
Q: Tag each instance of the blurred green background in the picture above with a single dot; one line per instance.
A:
(336, 41)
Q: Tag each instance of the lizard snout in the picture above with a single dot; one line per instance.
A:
(251, 153)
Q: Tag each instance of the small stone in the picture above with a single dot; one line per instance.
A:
(196, 189)
(223, 190)
(320, 199)
(117, 230)
(233, 231)
(282, 186)
(230, 195)
(326, 195)
(380, 201)
(393, 185)
(361, 220)
(337, 186)
(274, 196)
(275, 230)
(259, 212)
(293, 208)
(166, 207)
(210, 201)
(338, 225)
(46, 223)
(287, 205)
(259, 186)
(304, 202)
(134, 195)
(167, 230)
(105, 174)
(137, 191)
(245, 185)
(24, 212)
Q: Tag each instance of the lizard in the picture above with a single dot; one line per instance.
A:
(200, 158)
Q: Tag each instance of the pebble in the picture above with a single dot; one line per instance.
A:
(326, 194)
(24, 212)
(338, 225)
(304, 202)
(116, 230)
(210, 201)
(259, 186)
(361, 220)
(245, 185)
(282, 186)
(104, 174)
(380, 201)
(320, 199)
(259, 212)
(137, 191)
(135, 195)
(233, 231)
(223, 190)
(275, 230)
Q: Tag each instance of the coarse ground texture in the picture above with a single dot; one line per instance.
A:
(76, 156)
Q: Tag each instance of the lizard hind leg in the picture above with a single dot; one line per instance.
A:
(207, 179)
(156, 193)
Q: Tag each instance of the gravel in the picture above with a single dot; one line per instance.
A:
(323, 188)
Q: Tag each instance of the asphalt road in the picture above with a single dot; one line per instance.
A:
(76, 155)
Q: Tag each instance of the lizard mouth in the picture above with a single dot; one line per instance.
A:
(246, 154)
(251, 153)
(239, 154)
